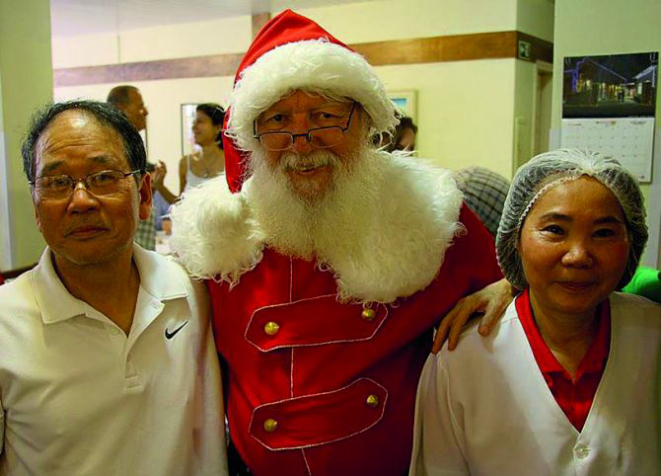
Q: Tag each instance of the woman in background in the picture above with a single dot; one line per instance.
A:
(567, 383)
(209, 162)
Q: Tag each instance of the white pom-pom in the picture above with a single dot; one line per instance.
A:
(213, 235)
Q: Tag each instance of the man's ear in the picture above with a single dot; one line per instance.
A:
(37, 216)
(145, 194)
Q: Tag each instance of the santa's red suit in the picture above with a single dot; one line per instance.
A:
(322, 356)
(314, 385)
(339, 379)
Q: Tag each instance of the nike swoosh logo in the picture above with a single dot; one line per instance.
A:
(170, 335)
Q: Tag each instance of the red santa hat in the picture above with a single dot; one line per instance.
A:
(292, 52)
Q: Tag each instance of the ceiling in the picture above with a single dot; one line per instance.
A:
(82, 17)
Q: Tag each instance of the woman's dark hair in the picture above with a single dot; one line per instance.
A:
(217, 115)
(405, 122)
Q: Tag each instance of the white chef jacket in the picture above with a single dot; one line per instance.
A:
(485, 408)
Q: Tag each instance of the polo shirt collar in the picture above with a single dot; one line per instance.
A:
(57, 304)
(158, 275)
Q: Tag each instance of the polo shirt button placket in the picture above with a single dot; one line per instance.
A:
(131, 378)
(582, 451)
(117, 338)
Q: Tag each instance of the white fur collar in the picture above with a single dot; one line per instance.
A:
(216, 237)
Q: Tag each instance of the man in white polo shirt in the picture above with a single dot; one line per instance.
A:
(107, 365)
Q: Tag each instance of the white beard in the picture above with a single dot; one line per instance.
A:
(322, 227)
(382, 227)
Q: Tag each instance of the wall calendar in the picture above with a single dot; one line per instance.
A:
(630, 140)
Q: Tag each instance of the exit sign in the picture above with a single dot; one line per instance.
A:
(524, 50)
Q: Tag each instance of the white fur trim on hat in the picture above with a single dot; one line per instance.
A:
(311, 64)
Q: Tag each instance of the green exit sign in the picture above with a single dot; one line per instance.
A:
(524, 50)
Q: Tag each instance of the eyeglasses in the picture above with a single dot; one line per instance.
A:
(101, 183)
(319, 137)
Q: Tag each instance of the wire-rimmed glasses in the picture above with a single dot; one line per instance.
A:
(57, 187)
(319, 137)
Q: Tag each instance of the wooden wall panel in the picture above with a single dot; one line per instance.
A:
(438, 49)
(195, 67)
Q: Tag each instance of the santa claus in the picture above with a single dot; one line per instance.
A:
(328, 261)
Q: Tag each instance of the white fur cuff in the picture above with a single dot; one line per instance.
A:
(212, 234)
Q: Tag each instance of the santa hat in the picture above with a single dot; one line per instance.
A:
(292, 52)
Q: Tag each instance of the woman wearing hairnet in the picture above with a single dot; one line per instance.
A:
(567, 383)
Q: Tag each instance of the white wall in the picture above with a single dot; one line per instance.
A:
(26, 85)
(465, 110)
(535, 17)
(5, 235)
(402, 19)
(232, 35)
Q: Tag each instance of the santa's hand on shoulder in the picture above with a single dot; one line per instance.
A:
(491, 302)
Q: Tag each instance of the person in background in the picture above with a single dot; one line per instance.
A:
(209, 162)
(567, 383)
(328, 261)
(129, 101)
(161, 208)
(108, 365)
(403, 138)
(405, 134)
(646, 282)
(145, 233)
(484, 193)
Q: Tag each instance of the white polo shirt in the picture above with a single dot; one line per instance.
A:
(79, 397)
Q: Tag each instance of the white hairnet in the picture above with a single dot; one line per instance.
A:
(534, 178)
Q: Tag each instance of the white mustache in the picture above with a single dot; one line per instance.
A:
(318, 158)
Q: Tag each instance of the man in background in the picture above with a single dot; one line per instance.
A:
(108, 365)
(128, 99)
(484, 193)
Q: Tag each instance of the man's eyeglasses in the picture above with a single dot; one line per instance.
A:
(319, 137)
(101, 183)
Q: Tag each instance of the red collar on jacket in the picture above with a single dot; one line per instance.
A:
(575, 398)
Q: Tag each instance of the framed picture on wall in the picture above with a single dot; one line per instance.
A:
(187, 118)
(405, 102)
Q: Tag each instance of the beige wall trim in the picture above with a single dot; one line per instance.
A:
(420, 50)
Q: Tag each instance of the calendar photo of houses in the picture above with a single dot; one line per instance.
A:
(610, 86)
